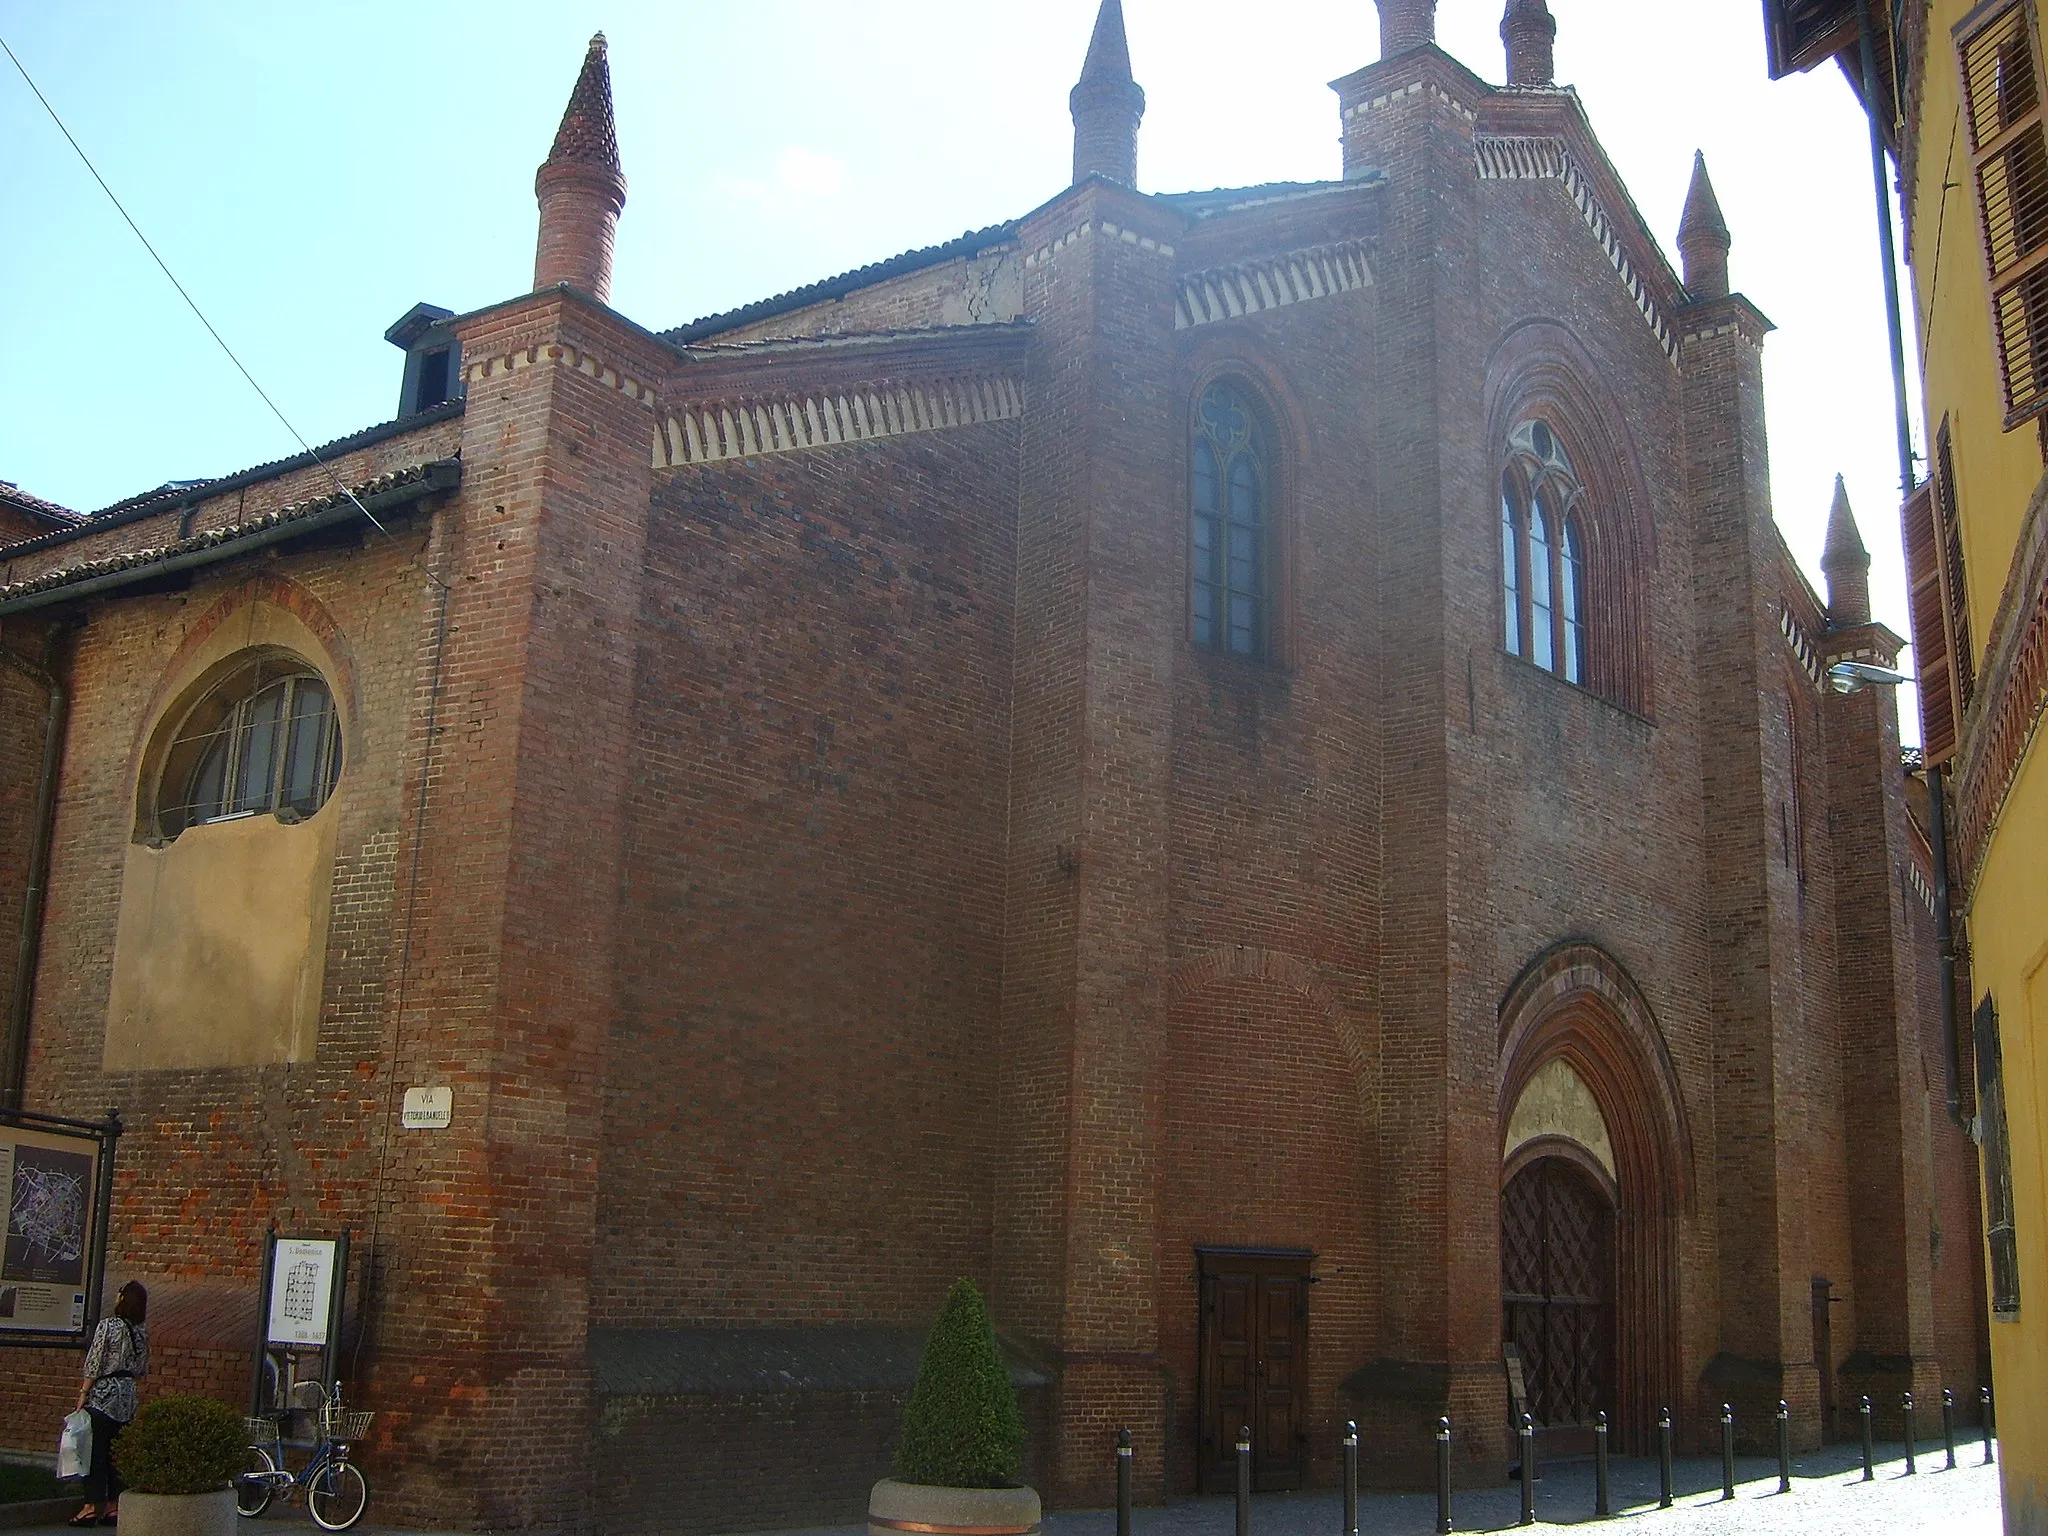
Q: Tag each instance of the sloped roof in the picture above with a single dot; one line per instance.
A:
(183, 493)
(15, 499)
(972, 243)
(399, 488)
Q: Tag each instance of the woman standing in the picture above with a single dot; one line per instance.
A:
(118, 1356)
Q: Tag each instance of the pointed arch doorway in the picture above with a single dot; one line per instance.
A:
(1594, 1160)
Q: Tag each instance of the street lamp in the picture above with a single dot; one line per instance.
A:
(1855, 676)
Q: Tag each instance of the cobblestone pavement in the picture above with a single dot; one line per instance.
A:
(1828, 1498)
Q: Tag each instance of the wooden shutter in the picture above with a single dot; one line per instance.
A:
(1996, 1146)
(2002, 81)
(1955, 592)
(1930, 632)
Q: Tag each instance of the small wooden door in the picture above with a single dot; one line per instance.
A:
(1254, 1357)
(1824, 1353)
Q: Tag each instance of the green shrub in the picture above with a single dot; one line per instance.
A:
(962, 1428)
(182, 1445)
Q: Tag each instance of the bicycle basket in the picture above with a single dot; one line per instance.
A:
(346, 1423)
(260, 1431)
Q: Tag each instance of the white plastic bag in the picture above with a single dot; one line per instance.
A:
(74, 1449)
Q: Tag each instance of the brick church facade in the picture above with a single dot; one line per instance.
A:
(1249, 769)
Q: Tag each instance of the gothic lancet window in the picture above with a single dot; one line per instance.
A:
(1544, 593)
(1229, 527)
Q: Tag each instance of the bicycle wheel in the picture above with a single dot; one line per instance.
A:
(337, 1496)
(257, 1485)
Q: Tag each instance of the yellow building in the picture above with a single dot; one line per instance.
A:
(1956, 92)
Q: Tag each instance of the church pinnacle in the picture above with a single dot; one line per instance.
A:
(1703, 238)
(1530, 31)
(1107, 104)
(580, 187)
(1845, 563)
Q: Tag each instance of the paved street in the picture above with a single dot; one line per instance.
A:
(1828, 1498)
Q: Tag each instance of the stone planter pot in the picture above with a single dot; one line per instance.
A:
(179, 1514)
(922, 1510)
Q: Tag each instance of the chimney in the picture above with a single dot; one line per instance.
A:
(580, 187)
(1107, 104)
(1529, 30)
(1406, 24)
(1703, 238)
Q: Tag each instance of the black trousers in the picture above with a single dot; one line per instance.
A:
(102, 1483)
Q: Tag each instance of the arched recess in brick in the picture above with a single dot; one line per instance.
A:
(335, 657)
(1541, 372)
(1267, 1144)
(1576, 1003)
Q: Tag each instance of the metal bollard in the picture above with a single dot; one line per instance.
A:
(1906, 1413)
(1443, 1476)
(1123, 1483)
(1244, 1481)
(1351, 1478)
(1869, 1455)
(1664, 1458)
(1988, 1456)
(1784, 1447)
(1528, 1436)
(1727, 1451)
(1948, 1426)
(1600, 1501)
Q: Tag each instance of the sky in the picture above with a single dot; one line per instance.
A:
(311, 171)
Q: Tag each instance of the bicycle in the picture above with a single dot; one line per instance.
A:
(336, 1492)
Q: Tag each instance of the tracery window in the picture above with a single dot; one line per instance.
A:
(264, 741)
(1229, 526)
(1544, 594)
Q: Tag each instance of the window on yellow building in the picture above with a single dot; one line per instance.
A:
(2000, 54)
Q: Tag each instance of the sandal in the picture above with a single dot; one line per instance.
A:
(90, 1515)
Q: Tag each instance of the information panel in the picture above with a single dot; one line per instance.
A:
(52, 1172)
(301, 1288)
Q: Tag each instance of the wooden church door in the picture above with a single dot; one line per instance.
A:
(1254, 1357)
(1557, 1295)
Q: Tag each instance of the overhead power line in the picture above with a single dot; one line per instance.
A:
(192, 304)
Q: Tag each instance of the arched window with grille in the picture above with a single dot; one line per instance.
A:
(1545, 594)
(1230, 556)
(265, 740)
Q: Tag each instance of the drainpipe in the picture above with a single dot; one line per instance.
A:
(1886, 250)
(1944, 915)
(14, 1058)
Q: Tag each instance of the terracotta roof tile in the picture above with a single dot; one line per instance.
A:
(587, 135)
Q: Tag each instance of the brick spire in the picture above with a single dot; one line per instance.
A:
(1406, 24)
(1845, 563)
(1529, 30)
(580, 187)
(1107, 104)
(1703, 238)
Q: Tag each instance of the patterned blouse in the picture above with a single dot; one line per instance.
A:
(117, 1346)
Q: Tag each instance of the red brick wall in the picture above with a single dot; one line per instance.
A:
(796, 1124)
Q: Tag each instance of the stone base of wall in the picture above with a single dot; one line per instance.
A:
(688, 1465)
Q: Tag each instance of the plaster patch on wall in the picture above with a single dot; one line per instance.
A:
(1557, 1102)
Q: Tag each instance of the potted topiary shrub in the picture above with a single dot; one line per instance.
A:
(963, 1436)
(179, 1458)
